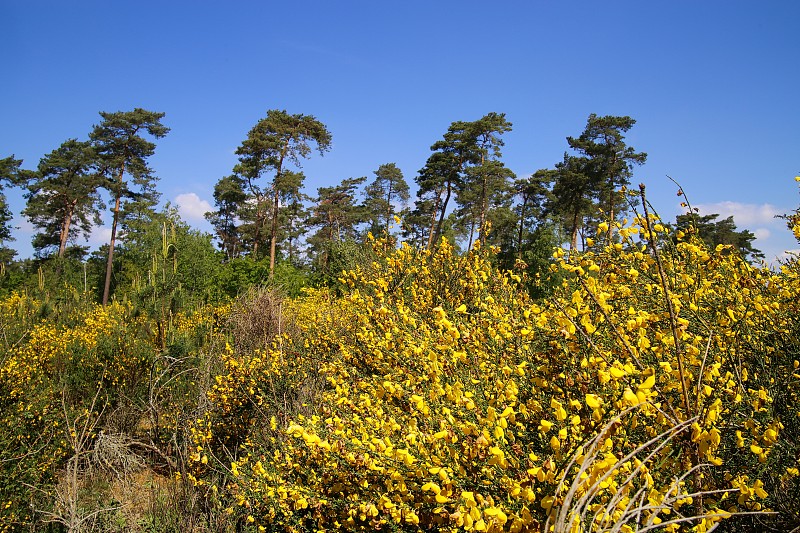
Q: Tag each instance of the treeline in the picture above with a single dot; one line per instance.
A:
(268, 227)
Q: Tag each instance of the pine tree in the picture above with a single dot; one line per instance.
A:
(274, 141)
(609, 160)
(337, 216)
(714, 232)
(229, 196)
(63, 200)
(383, 196)
(466, 163)
(586, 184)
(122, 160)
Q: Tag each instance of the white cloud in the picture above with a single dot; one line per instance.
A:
(191, 207)
(25, 227)
(99, 236)
(761, 233)
(789, 254)
(744, 215)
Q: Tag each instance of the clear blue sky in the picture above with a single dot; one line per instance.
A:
(713, 85)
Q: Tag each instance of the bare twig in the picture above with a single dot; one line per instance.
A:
(672, 316)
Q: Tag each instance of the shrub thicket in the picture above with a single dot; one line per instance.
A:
(655, 386)
(453, 401)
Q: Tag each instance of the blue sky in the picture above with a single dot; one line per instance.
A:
(713, 86)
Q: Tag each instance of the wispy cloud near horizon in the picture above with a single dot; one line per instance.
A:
(191, 207)
(744, 215)
(772, 236)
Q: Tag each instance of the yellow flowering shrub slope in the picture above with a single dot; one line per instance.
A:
(436, 395)
(37, 371)
(656, 387)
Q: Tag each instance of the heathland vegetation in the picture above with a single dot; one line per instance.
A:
(539, 353)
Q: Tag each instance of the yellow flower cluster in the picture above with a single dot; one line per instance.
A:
(207, 316)
(34, 376)
(436, 394)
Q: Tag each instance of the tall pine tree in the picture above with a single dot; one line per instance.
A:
(382, 197)
(586, 185)
(63, 200)
(275, 141)
(466, 163)
(122, 160)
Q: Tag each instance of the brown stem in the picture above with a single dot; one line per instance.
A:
(673, 320)
(112, 242)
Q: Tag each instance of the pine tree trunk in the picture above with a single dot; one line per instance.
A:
(573, 244)
(482, 227)
(484, 179)
(388, 209)
(275, 206)
(110, 261)
(64, 237)
(610, 213)
(434, 212)
(273, 233)
(441, 215)
(257, 234)
(521, 225)
(471, 234)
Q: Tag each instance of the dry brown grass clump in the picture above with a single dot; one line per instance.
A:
(257, 318)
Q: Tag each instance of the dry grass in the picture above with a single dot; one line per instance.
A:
(138, 494)
(594, 511)
(257, 318)
(114, 452)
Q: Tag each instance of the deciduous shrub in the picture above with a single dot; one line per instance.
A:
(453, 401)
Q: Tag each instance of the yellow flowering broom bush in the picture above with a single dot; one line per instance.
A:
(33, 382)
(61, 385)
(655, 386)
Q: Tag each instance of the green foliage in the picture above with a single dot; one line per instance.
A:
(237, 276)
(13, 277)
(63, 198)
(290, 279)
(60, 285)
(274, 141)
(167, 267)
(340, 256)
(122, 151)
(534, 259)
(384, 196)
(336, 216)
(714, 232)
